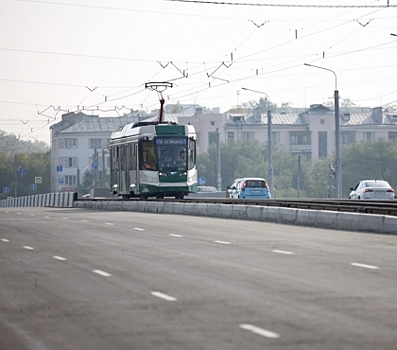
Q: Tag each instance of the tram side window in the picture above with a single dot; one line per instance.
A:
(148, 156)
(131, 157)
(191, 162)
(123, 157)
(115, 164)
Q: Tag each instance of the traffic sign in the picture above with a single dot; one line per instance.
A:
(60, 181)
(22, 171)
(38, 180)
(201, 181)
(94, 165)
(33, 187)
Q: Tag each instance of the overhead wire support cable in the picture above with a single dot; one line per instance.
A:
(283, 5)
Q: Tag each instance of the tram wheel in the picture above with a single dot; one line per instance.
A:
(144, 198)
(179, 196)
(160, 196)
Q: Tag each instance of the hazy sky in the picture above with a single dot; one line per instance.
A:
(96, 55)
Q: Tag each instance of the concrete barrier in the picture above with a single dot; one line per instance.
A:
(302, 217)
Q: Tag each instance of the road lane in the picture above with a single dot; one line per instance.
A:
(312, 298)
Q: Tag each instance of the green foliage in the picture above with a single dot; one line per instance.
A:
(11, 144)
(35, 165)
(369, 160)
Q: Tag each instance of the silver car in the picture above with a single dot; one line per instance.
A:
(372, 189)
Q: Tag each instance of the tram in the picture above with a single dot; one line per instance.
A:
(153, 159)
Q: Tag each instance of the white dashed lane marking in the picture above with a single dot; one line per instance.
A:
(174, 235)
(260, 331)
(47, 217)
(85, 220)
(222, 242)
(139, 229)
(371, 267)
(282, 252)
(5, 240)
(102, 273)
(59, 258)
(109, 223)
(65, 218)
(28, 248)
(163, 296)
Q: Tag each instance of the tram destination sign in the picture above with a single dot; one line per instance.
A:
(171, 141)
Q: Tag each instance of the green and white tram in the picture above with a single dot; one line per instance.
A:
(152, 159)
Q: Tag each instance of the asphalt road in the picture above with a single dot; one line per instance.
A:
(84, 279)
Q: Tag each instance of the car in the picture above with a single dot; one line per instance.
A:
(202, 189)
(232, 188)
(251, 187)
(372, 189)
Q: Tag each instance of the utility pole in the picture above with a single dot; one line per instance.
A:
(337, 139)
(218, 161)
(269, 141)
(15, 177)
(270, 152)
(299, 175)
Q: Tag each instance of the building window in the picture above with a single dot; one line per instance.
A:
(230, 136)
(368, 136)
(212, 123)
(248, 135)
(393, 135)
(70, 162)
(300, 138)
(70, 180)
(276, 138)
(95, 143)
(68, 143)
(347, 137)
(322, 121)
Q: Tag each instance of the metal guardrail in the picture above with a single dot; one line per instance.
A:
(58, 199)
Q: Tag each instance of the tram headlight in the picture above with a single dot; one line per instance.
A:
(163, 174)
(183, 174)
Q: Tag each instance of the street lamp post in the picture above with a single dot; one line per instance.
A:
(269, 141)
(338, 168)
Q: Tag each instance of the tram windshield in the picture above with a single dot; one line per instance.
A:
(173, 153)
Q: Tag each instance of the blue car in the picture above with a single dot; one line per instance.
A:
(251, 187)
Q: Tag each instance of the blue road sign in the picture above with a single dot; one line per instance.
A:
(22, 171)
(201, 181)
(33, 186)
(94, 165)
(60, 181)
(6, 189)
(59, 168)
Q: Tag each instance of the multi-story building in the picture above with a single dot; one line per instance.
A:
(79, 144)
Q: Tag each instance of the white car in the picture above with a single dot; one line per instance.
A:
(372, 189)
(232, 188)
